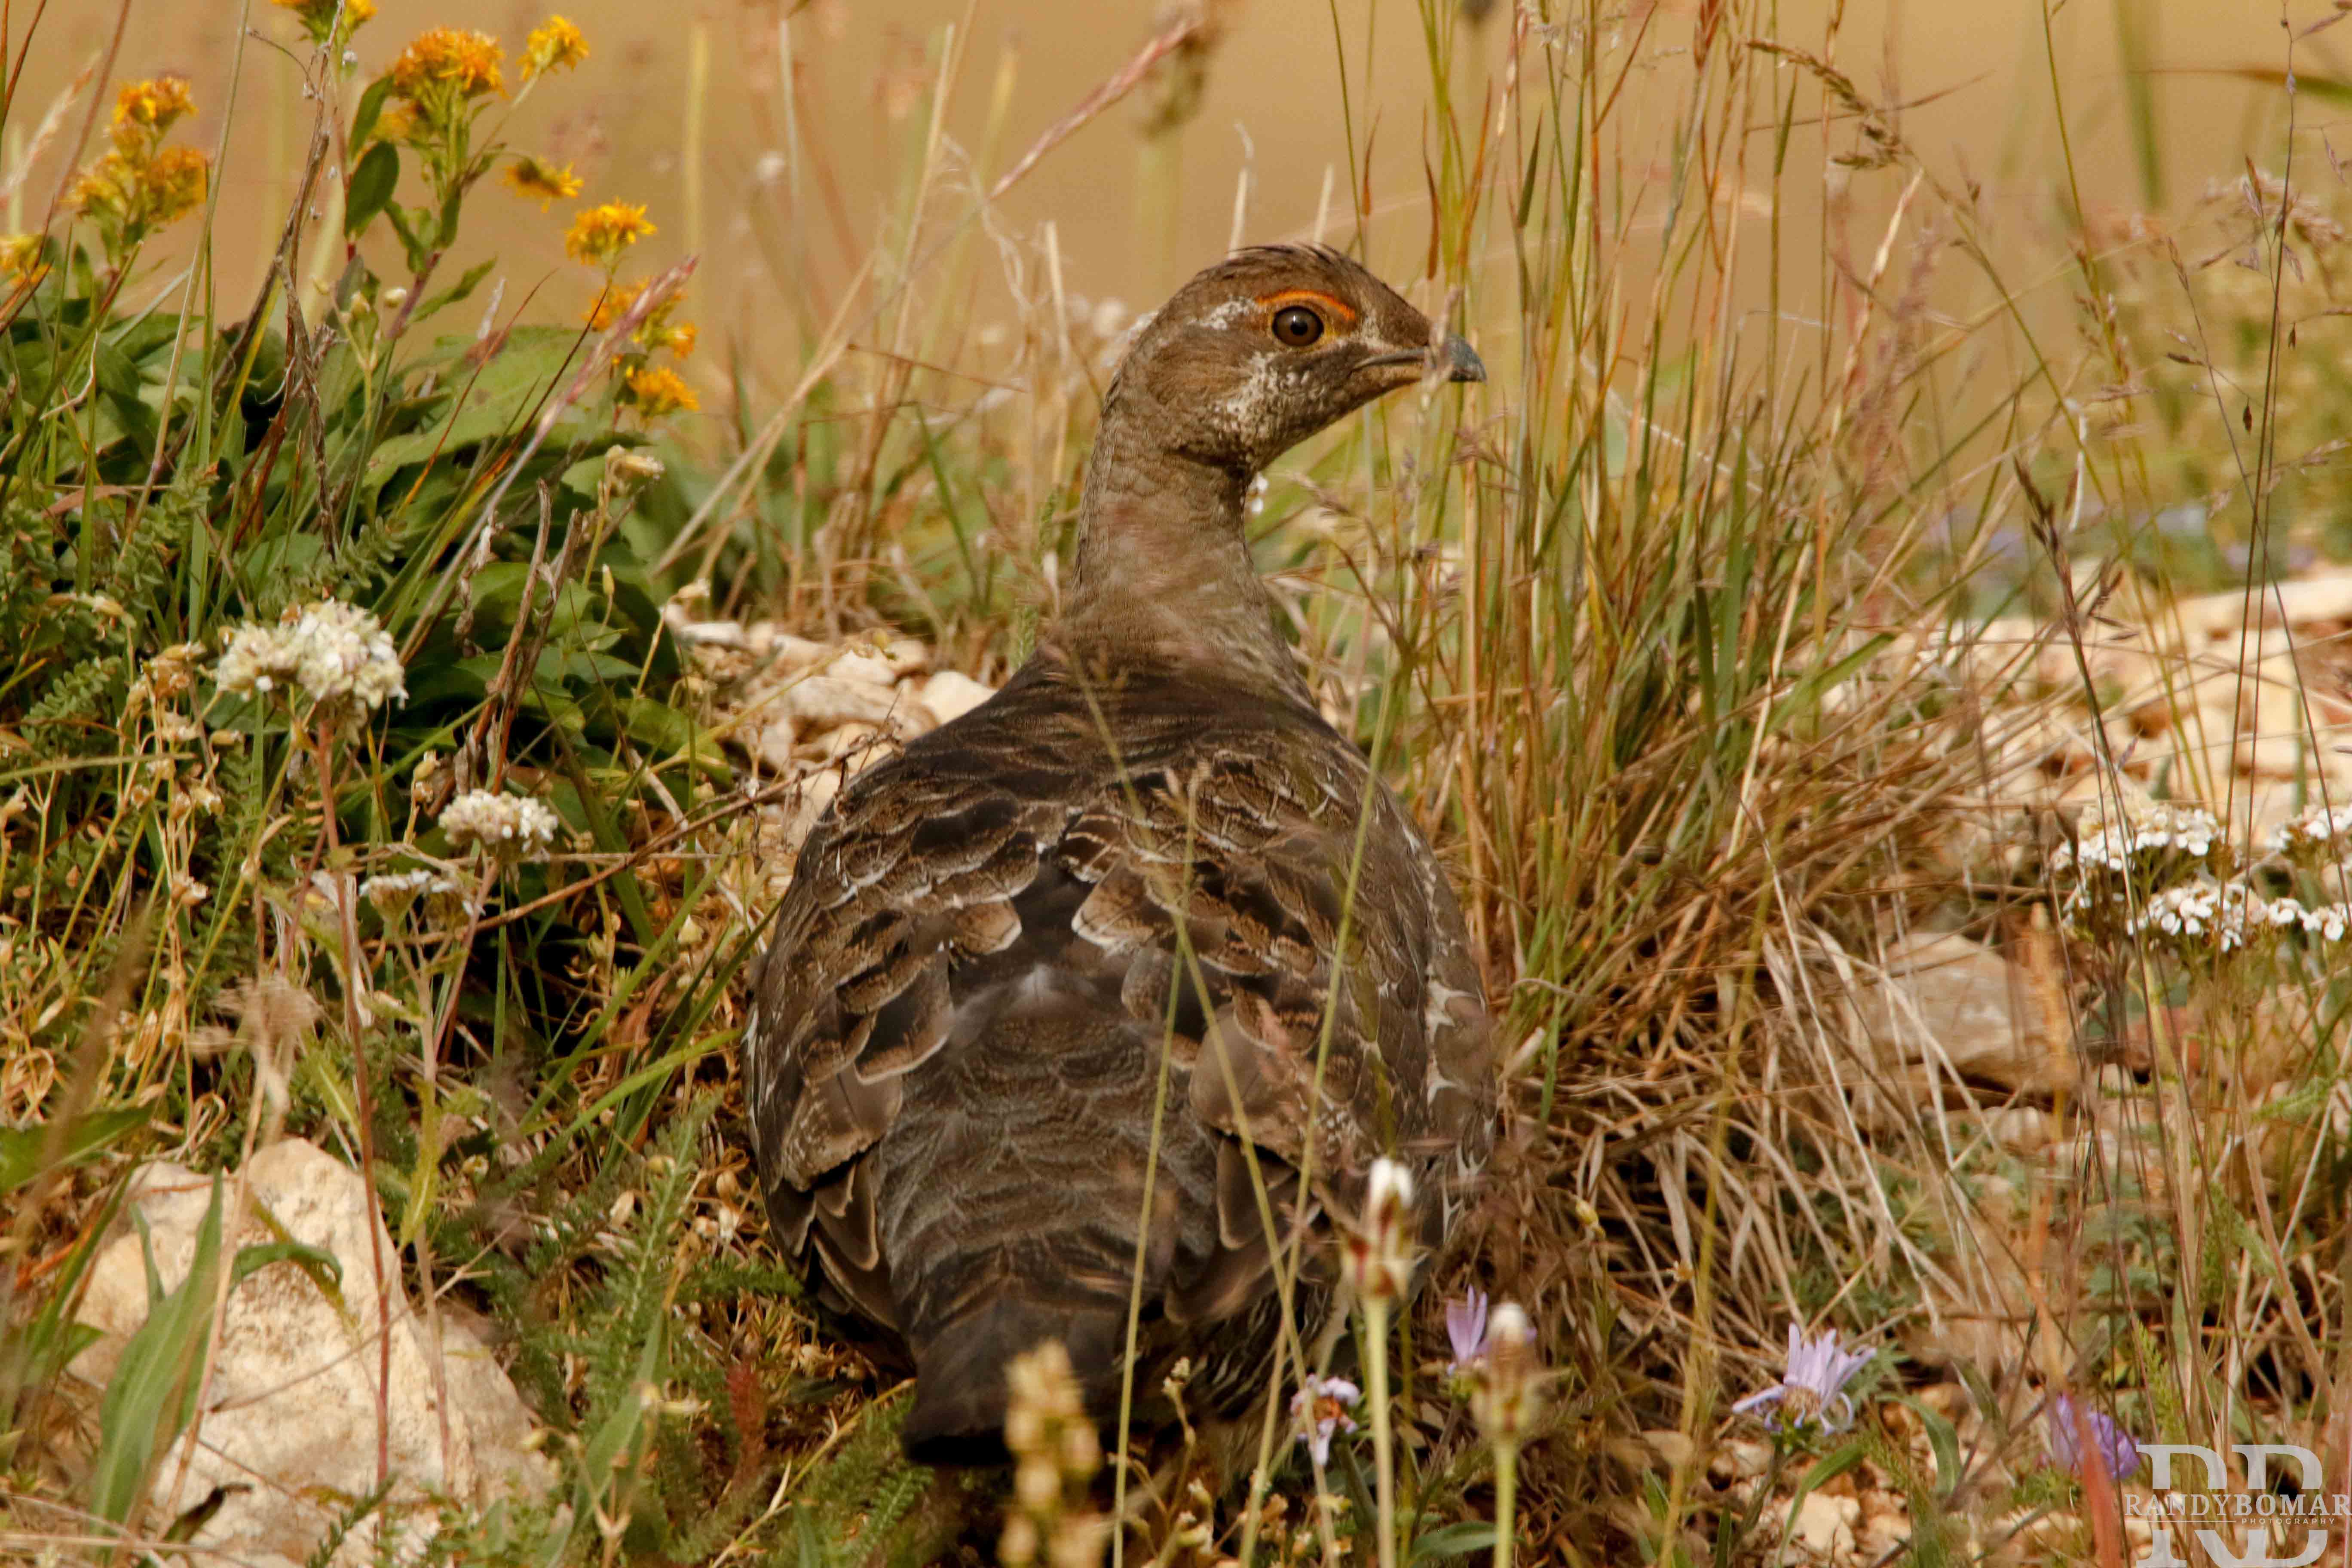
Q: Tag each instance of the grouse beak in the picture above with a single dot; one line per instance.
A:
(1458, 360)
(1453, 360)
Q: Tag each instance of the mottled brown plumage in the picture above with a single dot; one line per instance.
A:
(1137, 856)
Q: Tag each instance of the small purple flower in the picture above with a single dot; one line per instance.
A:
(1465, 1325)
(1813, 1387)
(1320, 1409)
(2118, 1453)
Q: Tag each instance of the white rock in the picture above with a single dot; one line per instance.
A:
(2022, 1128)
(822, 702)
(773, 746)
(815, 792)
(863, 744)
(1824, 1529)
(1885, 1527)
(907, 656)
(771, 641)
(288, 1420)
(950, 694)
(710, 634)
(1739, 1460)
(1968, 1006)
(864, 665)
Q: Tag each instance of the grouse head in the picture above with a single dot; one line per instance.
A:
(1270, 346)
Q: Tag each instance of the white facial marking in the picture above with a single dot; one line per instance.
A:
(1242, 410)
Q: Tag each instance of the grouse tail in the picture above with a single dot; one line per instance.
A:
(960, 1393)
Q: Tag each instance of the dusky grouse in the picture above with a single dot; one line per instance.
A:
(1116, 895)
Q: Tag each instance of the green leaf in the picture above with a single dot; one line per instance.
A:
(404, 224)
(372, 187)
(326, 1271)
(1453, 1541)
(805, 1537)
(1944, 1438)
(370, 109)
(500, 401)
(21, 1150)
(434, 303)
(453, 207)
(153, 1391)
(658, 726)
(116, 372)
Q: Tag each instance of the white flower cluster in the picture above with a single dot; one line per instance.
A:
(332, 650)
(2148, 829)
(504, 824)
(2230, 915)
(393, 890)
(2327, 921)
(2321, 829)
(2226, 914)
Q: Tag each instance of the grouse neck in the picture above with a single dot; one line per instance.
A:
(1163, 576)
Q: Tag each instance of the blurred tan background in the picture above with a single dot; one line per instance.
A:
(721, 175)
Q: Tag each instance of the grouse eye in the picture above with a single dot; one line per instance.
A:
(1296, 326)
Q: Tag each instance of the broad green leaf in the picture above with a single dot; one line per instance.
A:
(1453, 1541)
(22, 1149)
(500, 401)
(472, 277)
(372, 187)
(326, 1271)
(370, 110)
(153, 1391)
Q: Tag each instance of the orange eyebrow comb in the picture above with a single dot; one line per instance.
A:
(1340, 309)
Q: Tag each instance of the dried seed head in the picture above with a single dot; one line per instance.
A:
(1379, 1252)
(1505, 1394)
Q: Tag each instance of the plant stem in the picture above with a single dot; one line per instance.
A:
(1376, 1357)
(1506, 1500)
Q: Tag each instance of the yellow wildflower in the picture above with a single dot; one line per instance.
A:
(145, 110)
(110, 186)
(554, 45)
(20, 259)
(654, 393)
(130, 195)
(396, 123)
(448, 59)
(318, 16)
(140, 184)
(152, 105)
(656, 331)
(599, 234)
(537, 177)
(613, 304)
(173, 183)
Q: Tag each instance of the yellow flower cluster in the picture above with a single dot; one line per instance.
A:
(656, 331)
(318, 17)
(149, 109)
(651, 392)
(20, 260)
(655, 393)
(554, 45)
(140, 184)
(447, 66)
(539, 179)
(599, 234)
